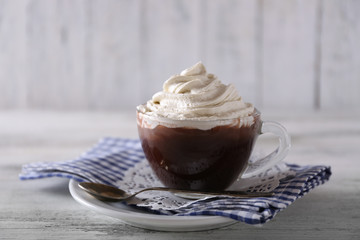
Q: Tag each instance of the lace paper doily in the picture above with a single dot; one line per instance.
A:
(141, 176)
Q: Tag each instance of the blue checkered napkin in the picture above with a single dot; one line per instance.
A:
(262, 210)
(104, 163)
(112, 157)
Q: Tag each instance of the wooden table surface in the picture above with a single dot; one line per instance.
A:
(44, 209)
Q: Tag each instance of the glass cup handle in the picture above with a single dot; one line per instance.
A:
(276, 156)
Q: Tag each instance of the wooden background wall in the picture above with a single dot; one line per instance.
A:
(114, 54)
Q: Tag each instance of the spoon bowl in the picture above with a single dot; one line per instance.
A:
(109, 193)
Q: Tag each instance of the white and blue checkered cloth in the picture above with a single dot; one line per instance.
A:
(111, 157)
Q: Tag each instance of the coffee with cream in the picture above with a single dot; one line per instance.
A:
(198, 133)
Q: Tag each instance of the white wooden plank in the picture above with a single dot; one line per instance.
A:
(115, 54)
(340, 55)
(83, 54)
(230, 44)
(170, 33)
(55, 54)
(113, 60)
(12, 54)
(289, 40)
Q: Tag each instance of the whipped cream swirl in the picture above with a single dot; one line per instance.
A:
(195, 94)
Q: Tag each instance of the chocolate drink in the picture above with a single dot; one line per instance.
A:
(198, 133)
(187, 158)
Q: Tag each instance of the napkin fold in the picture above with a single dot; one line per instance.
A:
(108, 161)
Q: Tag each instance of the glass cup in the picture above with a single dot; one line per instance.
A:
(206, 155)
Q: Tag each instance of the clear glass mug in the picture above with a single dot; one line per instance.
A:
(207, 155)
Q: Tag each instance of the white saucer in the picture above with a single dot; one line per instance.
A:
(142, 219)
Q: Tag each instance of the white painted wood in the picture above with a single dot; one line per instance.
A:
(55, 54)
(113, 58)
(44, 209)
(289, 37)
(12, 54)
(110, 54)
(83, 54)
(230, 47)
(340, 55)
(170, 41)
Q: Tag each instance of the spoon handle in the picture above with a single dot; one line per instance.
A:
(240, 194)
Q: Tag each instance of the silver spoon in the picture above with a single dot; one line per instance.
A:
(109, 193)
